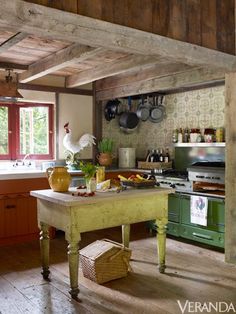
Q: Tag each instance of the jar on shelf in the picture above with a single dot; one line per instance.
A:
(220, 135)
(209, 135)
(175, 136)
(195, 136)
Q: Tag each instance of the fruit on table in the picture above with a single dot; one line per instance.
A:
(141, 178)
(122, 178)
(133, 178)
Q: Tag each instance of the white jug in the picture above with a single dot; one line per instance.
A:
(127, 157)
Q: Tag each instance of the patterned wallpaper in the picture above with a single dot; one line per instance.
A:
(196, 109)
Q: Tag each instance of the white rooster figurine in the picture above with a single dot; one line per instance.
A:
(86, 140)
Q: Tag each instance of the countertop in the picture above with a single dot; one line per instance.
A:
(67, 199)
(14, 174)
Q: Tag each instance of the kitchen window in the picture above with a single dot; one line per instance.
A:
(26, 128)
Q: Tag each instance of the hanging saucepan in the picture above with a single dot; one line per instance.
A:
(158, 111)
(143, 111)
(111, 109)
(128, 120)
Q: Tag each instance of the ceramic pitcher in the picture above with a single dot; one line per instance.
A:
(59, 179)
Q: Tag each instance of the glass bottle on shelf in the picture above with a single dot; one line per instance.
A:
(151, 159)
(161, 156)
(156, 156)
(180, 136)
(186, 136)
(167, 156)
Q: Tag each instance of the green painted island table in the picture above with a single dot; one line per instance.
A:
(76, 214)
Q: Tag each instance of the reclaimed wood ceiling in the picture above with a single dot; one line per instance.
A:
(37, 41)
(31, 49)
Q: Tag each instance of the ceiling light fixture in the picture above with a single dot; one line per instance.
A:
(8, 88)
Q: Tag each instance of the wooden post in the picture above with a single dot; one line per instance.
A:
(230, 182)
(97, 120)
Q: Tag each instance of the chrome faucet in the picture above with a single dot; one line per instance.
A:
(23, 160)
(25, 157)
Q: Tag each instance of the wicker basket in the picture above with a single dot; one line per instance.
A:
(105, 260)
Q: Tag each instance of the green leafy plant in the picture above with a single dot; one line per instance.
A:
(105, 145)
(72, 159)
(88, 169)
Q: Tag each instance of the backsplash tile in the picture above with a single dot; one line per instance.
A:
(196, 109)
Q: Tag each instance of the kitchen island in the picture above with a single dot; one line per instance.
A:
(76, 214)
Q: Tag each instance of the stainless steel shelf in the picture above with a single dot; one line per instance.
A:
(199, 144)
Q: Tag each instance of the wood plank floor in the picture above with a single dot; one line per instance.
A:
(193, 273)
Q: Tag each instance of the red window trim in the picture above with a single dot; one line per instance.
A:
(7, 156)
(13, 128)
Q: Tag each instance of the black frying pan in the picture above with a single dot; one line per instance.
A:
(128, 120)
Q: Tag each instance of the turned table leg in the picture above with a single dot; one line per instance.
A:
(73, 258)
(161, 243)
(125, 235)
(44, 249)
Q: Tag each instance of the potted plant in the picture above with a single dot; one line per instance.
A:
(89, 171)
(105, 148)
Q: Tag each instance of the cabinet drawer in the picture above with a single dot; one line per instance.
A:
(173, 229)
(202, 235)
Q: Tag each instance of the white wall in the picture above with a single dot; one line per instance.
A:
(41, 97)
(75, 109)
(78, 111)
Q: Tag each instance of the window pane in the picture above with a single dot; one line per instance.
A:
(4, 130)
(34, 137)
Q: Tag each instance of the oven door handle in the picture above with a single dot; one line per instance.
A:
(203, 236)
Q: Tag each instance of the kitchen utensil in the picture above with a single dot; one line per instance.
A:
(111, 109)
(128, 120)
(143, 111)
(157, 112)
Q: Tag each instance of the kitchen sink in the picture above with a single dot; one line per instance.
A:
(21, 170)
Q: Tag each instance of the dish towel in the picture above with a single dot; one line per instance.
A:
(199, 207)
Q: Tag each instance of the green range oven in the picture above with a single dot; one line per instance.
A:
(206, 181)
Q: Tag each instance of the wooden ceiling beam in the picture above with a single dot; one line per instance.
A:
(193, 77)
(61, 59)
(51, 23)
(118, 66)
(142, 74)
(14, 66)
(55, 89)
(12, 41)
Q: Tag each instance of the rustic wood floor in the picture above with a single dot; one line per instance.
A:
(193, 273)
